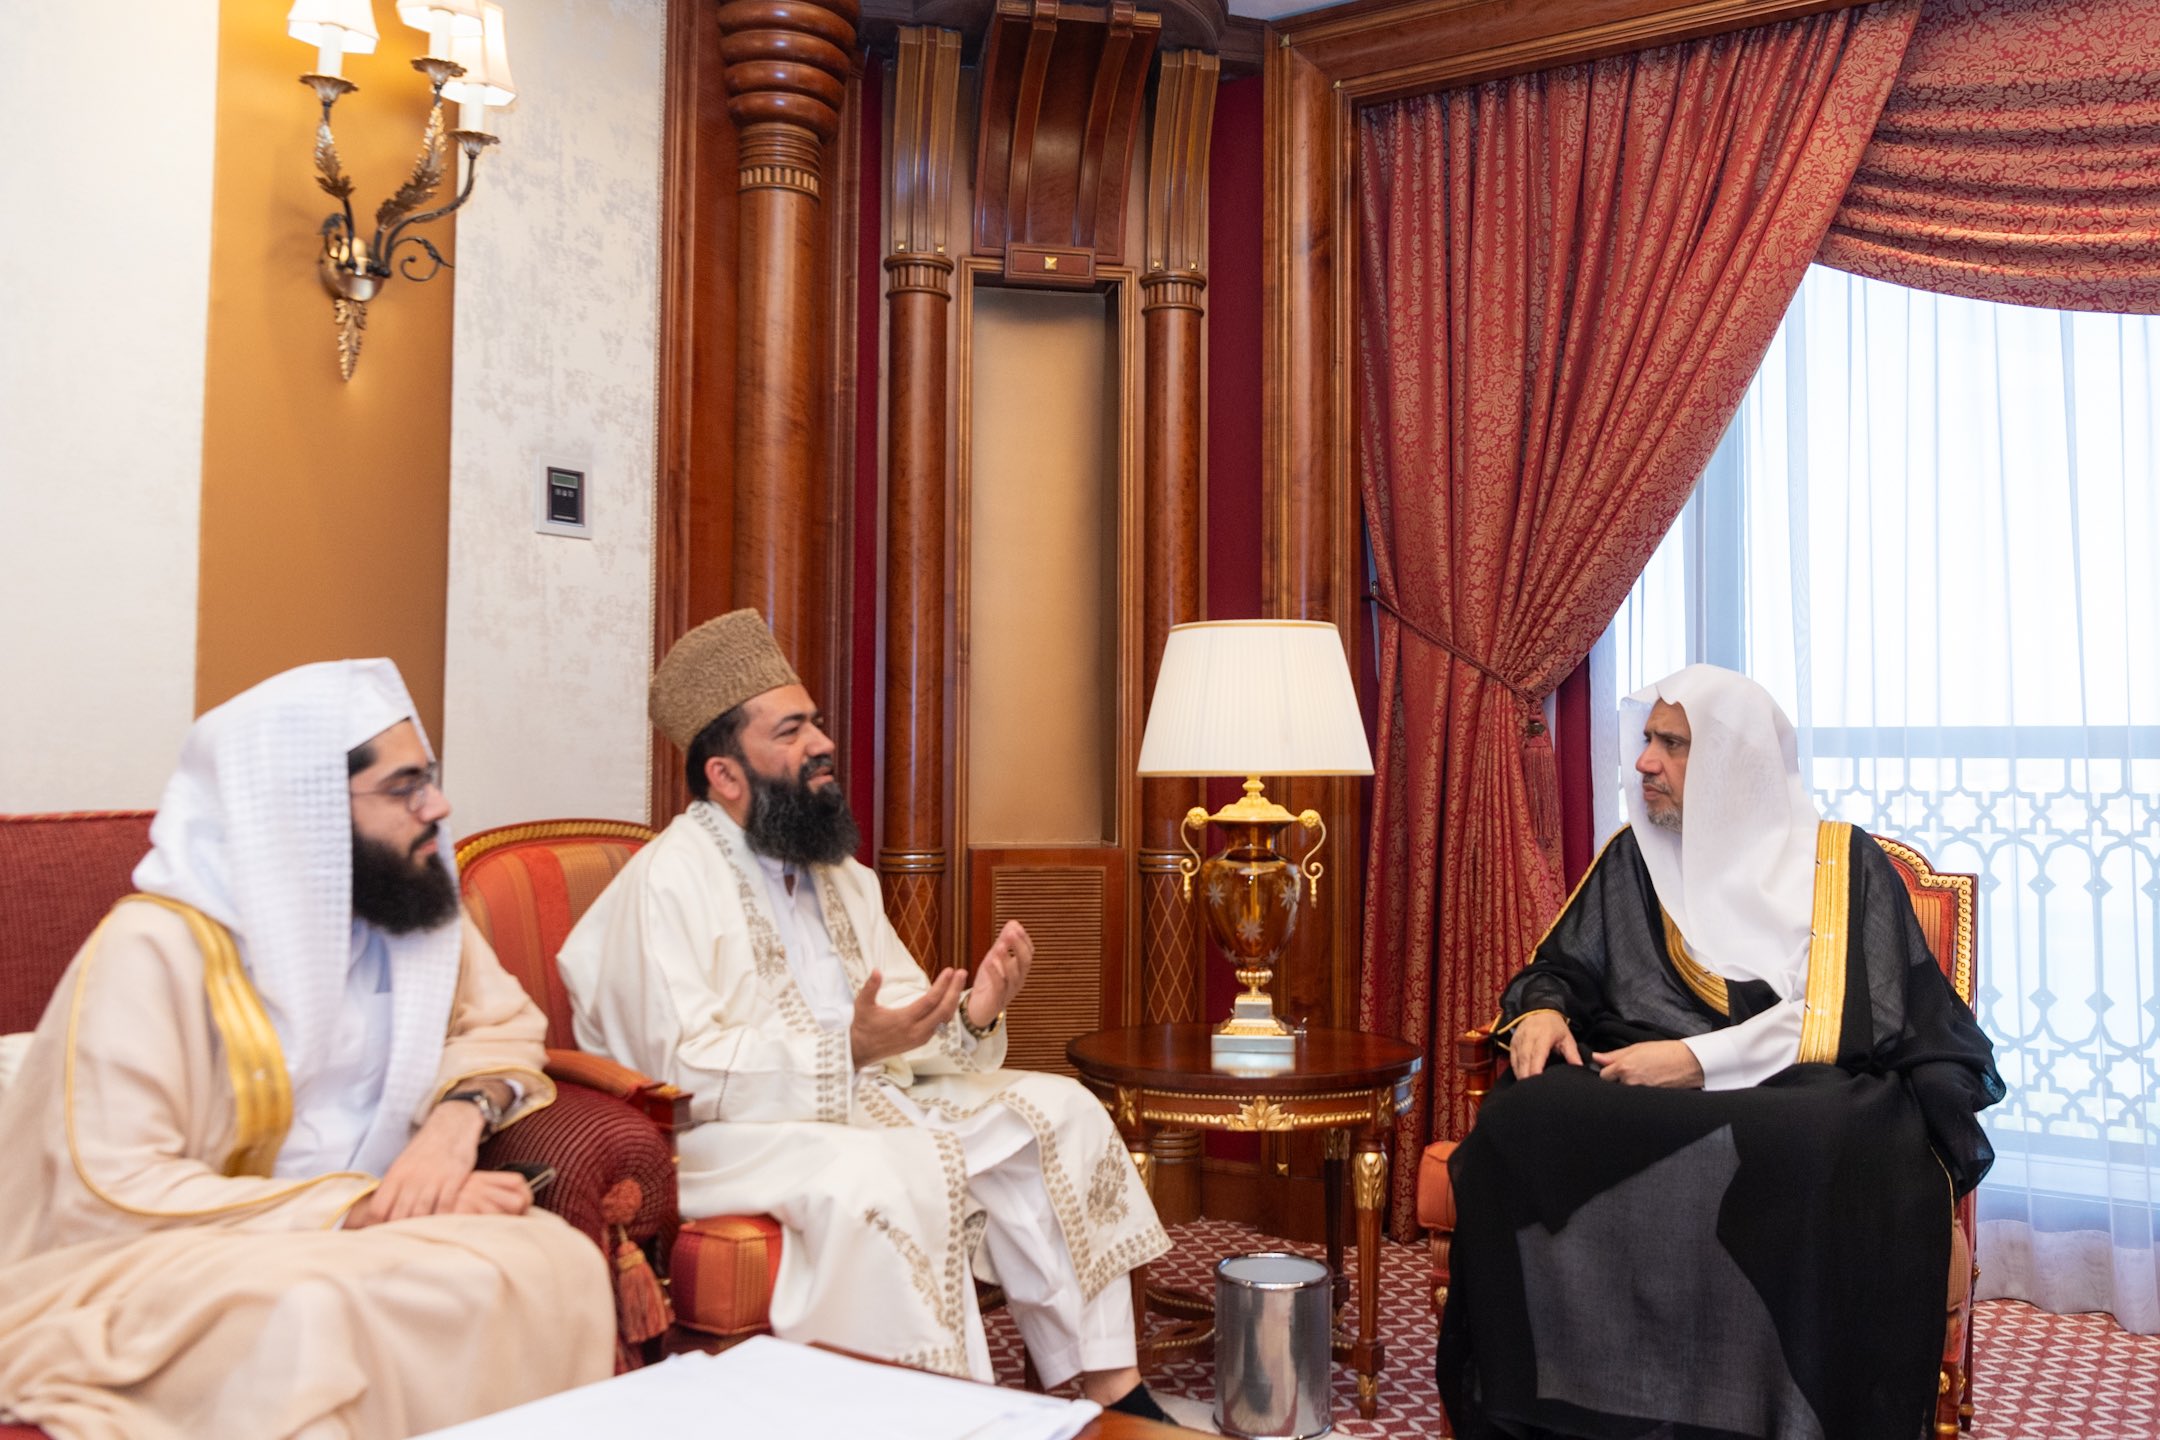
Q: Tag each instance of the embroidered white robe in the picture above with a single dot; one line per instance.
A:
(678, 970)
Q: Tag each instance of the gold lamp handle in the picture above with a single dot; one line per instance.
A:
(1310, 867)
(1197, 817)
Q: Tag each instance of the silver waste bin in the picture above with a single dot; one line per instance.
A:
(1271, 1346)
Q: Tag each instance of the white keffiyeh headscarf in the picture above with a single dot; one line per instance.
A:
(1739, 876)
(255, 831)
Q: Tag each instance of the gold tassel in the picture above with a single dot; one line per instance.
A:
(641, 1306)
(1541, 774)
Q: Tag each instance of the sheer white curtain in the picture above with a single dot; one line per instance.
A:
(1934, 533)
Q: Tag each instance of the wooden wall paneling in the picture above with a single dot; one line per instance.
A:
(1120, 980)
(912, 858)
(1061, 95)
(1072, 901)
(787, 68)
(1173, 447)
(693, 511)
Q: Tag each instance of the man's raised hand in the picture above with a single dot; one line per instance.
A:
(1003, 971)
(1541, 1034)
(879, 1032)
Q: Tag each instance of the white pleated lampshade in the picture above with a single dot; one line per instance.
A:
(459, 17)
(486, 58)
(349, 23)
(1255, 697)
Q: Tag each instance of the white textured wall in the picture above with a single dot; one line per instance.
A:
(104, 273)
(550, 639)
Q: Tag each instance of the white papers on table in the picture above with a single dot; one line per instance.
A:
(771, 1388)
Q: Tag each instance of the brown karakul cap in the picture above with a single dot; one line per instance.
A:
(711, 670)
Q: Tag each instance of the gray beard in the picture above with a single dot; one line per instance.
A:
(1664, 819)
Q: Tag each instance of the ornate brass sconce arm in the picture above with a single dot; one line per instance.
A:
(354, 269)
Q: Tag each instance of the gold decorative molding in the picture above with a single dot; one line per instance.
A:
(1176, 245)
(1145, 1164)
(926, 97)
(1369, 1171)
(1259, 1114)
(1335, 1145)
(1126, 1111)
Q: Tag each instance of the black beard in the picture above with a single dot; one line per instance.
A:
(794, 824)
(397, 896)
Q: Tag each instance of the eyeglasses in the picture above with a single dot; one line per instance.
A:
(411, 790)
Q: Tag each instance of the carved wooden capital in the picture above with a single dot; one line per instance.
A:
(930, 274)
(1164, 291)
(787, 64)
(778, 157)
(1178, 167)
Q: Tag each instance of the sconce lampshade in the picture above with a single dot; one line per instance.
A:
(1254, 697)
(461, 18)
(486, 58)
(350, 24)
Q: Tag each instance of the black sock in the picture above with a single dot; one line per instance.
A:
(1137, 1401)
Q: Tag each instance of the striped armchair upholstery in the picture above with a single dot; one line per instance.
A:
(526, 886)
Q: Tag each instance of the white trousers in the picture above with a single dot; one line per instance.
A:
(1026, 1253)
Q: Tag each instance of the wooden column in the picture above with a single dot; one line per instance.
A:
(1173, 954)
(787, 69)
(912, 858)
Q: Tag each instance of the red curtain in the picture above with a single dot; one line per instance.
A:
(1567, 281)
(2017, 159)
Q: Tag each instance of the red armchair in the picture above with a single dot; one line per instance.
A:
(60, 873)
(1947, 905)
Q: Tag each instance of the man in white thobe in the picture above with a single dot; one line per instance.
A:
(745, 957)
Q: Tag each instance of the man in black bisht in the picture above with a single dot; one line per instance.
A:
(1715, 1198)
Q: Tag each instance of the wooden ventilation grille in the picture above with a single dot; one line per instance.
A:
(1062, 909)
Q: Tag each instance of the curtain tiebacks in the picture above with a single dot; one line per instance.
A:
(1532, 703)
(1541, 773)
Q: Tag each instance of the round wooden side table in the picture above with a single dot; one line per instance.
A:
(1344, 1082)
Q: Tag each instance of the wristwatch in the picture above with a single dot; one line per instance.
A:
(491, 1114)
(980, 1032)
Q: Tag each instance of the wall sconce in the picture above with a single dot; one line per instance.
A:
(467, 61)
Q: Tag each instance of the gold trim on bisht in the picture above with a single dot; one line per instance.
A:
(252, 1142)
(262, 1088)
(1708, 985)
(1825, 1013)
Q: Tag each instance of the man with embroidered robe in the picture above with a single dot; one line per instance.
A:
(1715, 1197)
(240, 1197)
(744, 956)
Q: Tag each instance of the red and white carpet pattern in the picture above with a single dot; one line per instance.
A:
(2036, 1376)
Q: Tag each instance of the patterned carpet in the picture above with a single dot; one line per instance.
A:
(2037, 1377)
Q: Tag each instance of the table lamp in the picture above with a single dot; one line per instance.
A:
(1249, 698)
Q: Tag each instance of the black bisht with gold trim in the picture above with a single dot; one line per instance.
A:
(1765, 1262)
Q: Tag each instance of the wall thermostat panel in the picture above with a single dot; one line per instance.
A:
(564, 503)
